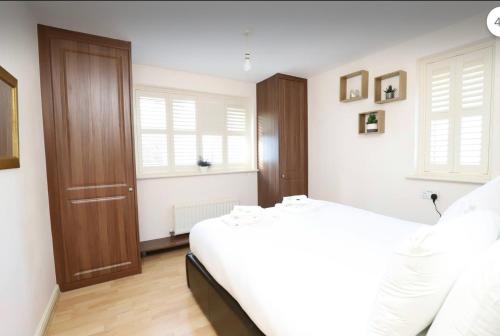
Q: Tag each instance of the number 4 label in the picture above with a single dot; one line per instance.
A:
(493, 21)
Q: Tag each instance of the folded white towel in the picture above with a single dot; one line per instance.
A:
(295, 199)
(299, 205)
(244, 215)
(247, 210)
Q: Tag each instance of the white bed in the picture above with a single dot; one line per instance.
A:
(313, 272)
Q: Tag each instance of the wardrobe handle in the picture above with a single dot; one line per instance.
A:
(283, 176)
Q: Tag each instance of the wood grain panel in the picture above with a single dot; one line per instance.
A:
(268, 142)
(5, 120)
(89, 151)
(293, 137)
(92, 86)
(282, 138)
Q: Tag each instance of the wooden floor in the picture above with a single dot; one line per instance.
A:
(156, 302)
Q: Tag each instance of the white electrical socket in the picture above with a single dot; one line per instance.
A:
(427, 194)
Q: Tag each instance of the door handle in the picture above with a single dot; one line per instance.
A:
(283, 176)
(130, 189)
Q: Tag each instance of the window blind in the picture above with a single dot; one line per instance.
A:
(237, 149)
(153, 113)
(175, 128)
(440, 105)
(236, 119)
(212, 148)
(154, 150)
(153, 135)
(457, 113)
(439, 139)
(184, 114)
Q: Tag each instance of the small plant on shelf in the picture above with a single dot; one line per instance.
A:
(203, 165)
(372, 123)
(390, 92)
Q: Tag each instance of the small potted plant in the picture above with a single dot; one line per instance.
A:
(390, 92)
(372, 123)
(203, 165)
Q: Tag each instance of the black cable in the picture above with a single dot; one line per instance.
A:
(435, 207)
(434, 197)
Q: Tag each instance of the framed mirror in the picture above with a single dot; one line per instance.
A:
(9, 129)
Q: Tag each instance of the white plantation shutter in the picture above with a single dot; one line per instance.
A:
(439, 105)
(153, 132)
(474, 71)
(237, 140)
(153, 113)
(236, 119)
(184, 129)
(471, 135)
(439, 140)
(212, 148)
(237, 149)
(174, 129)
(184, 114)
(154, 150)
(457, 112)
(185, 149)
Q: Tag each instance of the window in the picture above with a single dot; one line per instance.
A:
(455, 115)
(174, 129)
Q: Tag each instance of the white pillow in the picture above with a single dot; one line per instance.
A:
(424, 269)
(486, 197)
(473, 305)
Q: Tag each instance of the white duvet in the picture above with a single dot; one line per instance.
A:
(309, 272)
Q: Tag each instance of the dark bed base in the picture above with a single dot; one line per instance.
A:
(221, 309)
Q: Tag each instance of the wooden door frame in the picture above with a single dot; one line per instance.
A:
(45, 34)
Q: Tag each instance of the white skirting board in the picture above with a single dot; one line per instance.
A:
(44, 321)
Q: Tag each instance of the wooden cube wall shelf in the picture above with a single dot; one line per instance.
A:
(344, 95)
(401, 89)
(362, 122)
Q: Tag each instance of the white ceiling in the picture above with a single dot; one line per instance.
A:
(297, 38)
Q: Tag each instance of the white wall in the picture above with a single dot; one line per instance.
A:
(370, 171)
(26, 259)
(156, 197)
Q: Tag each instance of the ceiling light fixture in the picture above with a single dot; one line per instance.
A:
(247, 65)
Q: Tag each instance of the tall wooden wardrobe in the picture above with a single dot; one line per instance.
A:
(282, 138)
(86, 97)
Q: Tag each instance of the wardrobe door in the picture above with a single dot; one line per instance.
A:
(268, 143)
(89, 150)
(293, 136)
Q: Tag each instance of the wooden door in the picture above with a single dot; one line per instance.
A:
(268, 143)
(89, 149)
(293, 135)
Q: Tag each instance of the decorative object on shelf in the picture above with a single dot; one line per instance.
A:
(354, 93)
(394, 82)
(203, 165)
(390, 92)
(9, 129)
(372, 122)
(360, 91)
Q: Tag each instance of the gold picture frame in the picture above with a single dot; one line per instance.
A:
(9, 126)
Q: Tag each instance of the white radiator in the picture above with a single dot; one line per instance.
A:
(186, 216)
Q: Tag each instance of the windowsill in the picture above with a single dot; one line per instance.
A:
(188, 174)
(447, 178)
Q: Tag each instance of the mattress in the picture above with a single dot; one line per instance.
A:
(314, 271)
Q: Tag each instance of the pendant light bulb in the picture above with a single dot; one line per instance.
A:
(247, 65)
